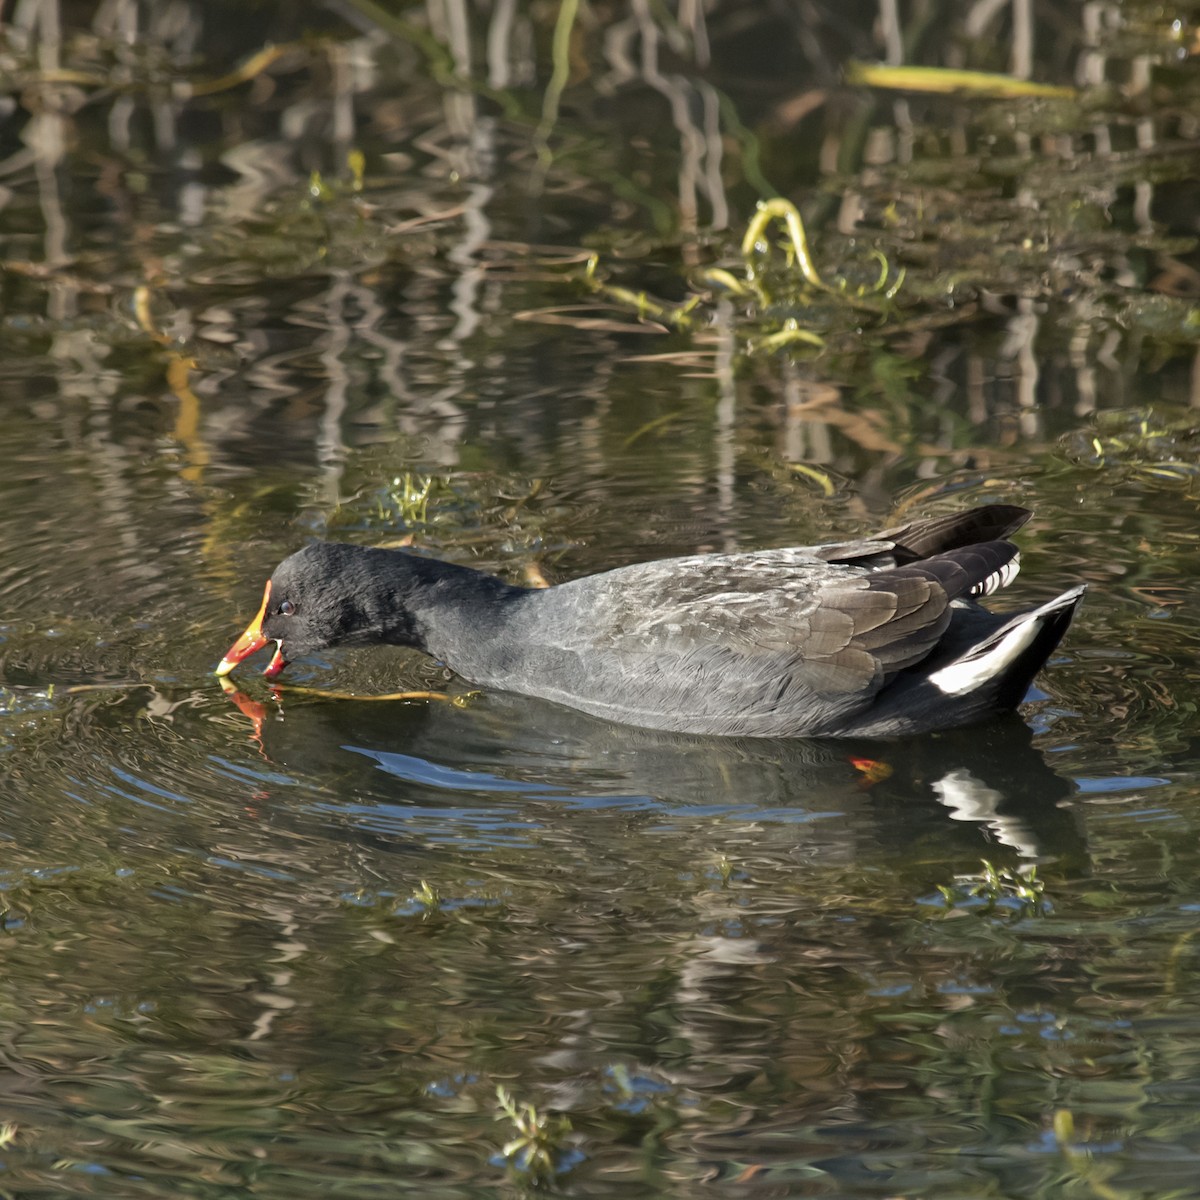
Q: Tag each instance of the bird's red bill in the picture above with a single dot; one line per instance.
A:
(251, 642)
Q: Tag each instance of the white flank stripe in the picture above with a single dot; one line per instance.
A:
(998, 579)
(967, 674)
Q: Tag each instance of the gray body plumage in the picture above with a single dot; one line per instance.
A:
(878, 637)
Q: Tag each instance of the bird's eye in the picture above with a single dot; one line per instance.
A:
(286, 608)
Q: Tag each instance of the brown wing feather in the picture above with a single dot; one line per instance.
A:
(919, 597)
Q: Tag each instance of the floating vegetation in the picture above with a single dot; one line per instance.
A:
(508, 523)
(538, 1151)
(424, 902)
(409, 497)
(410, 500)
(1148, 447)
(681, 316)
(782, 301)
(458, 700)
(756, 249)
(814, 476)
(948, 237)
(944, 81)
(425, 899)
(998, 891)
(635, 1094)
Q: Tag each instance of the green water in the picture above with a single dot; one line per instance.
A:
(291, 947)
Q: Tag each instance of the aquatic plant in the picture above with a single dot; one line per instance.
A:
(1005, 891)
(537, 1151)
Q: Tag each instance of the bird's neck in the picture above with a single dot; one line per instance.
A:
(450, 612)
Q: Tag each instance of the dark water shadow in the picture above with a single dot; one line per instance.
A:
(983, 791)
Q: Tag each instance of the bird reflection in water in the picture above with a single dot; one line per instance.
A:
(984, 787)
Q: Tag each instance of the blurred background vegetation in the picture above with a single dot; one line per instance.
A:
(426, 197)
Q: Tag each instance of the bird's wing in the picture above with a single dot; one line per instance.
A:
(785, 614)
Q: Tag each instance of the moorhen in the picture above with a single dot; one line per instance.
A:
(876, 637)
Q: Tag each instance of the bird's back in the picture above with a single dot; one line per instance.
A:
(770, 643)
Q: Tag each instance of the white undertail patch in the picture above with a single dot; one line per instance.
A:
(967, 674)
(997, 653)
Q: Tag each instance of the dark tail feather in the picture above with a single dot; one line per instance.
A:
(921, 539)
(958, 572)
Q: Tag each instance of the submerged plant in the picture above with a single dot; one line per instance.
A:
(1014, 893)
(408, 497)
(426, 898)
(537, 1151)
(1151, 447)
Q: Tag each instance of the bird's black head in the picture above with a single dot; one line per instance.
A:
(326, 595)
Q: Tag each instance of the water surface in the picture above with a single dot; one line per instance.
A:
(285, 946)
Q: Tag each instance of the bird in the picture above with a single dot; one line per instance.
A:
(882, 636)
